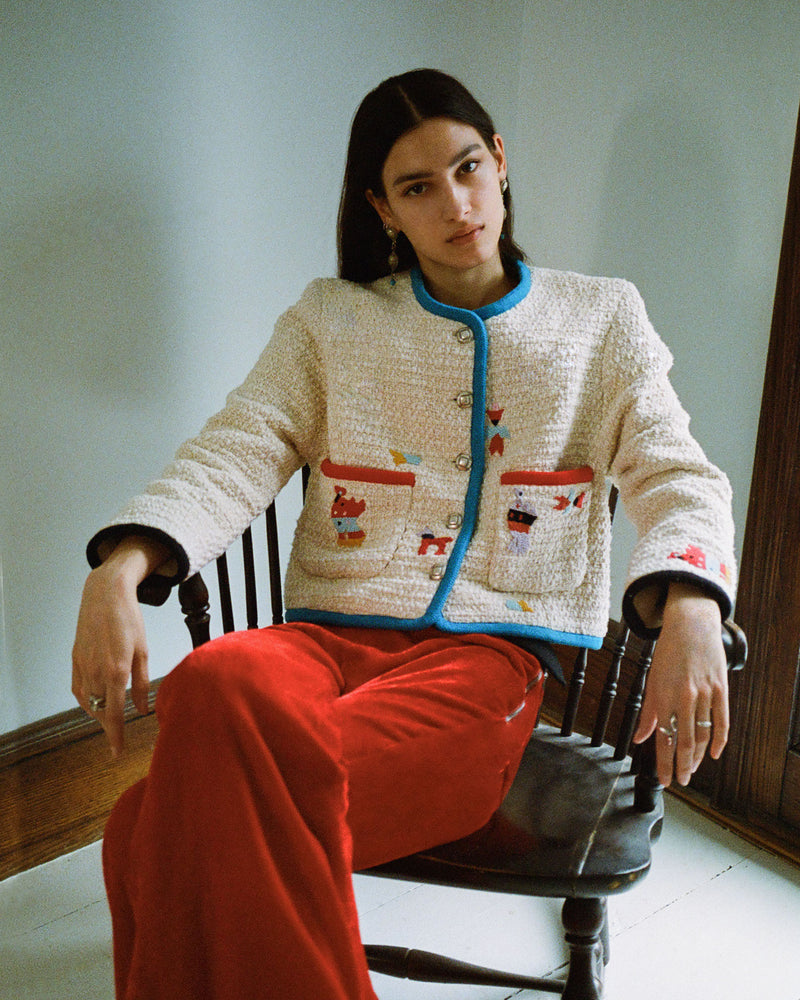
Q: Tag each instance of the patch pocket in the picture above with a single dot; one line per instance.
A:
(540, 539)
(352, 520)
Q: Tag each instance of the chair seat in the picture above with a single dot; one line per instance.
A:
(567, 827)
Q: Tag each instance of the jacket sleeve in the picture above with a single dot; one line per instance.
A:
(225, 476)
(679, 502)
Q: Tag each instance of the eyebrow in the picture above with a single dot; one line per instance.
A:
(405, 178)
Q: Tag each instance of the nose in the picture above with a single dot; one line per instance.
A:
(456, 202)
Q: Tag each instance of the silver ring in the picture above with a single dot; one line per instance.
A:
(671, 731)
(96, 702)
(704, 724)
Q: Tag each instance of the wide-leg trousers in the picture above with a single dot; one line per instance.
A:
(287, 758)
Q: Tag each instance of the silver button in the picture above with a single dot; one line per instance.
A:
(437, 571)
(464, 462)
(464, 335)
(464, 399)
(454, 521)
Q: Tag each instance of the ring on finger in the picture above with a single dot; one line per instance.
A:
(704, 724)
(97, 702)
(670, 731)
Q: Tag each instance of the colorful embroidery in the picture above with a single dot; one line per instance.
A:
(519, 606)
(345, 512)
(696, 557)
(403, 458)
(570, 502)
(430, 541)
(520, 517)
(496, 434)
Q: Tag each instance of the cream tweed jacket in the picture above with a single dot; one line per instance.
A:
(460, 461)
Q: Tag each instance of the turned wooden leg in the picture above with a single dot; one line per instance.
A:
(584, 921)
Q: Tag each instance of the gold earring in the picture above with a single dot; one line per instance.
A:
(393, 259)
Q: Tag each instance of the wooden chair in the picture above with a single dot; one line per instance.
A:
(596, 843)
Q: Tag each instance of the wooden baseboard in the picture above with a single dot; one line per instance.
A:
(58, 784)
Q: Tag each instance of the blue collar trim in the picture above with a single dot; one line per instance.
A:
(514, 297)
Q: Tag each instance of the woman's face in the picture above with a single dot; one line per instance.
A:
(442, 190)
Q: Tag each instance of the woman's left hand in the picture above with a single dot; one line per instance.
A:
(687, 686)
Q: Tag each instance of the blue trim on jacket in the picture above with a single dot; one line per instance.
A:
(434, 616)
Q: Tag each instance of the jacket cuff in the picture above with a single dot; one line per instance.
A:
(156, 588)
(644, 600)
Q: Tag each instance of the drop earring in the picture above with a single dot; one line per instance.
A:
(393, 260)
(503, 189)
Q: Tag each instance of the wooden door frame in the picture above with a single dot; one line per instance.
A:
(751, 781)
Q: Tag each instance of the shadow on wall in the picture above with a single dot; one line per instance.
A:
(85, 306)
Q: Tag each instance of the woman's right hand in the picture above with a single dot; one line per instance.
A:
(110, 642)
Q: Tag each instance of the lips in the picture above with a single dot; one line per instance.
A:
(465, 236)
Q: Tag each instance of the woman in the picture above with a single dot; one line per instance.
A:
(460, 415)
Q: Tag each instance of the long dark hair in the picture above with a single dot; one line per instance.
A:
(387, 112)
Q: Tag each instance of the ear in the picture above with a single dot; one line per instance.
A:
(381, 206)
(499, 153)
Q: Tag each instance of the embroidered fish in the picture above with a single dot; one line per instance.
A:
(519, 606)
(567, 503)
(403, 458)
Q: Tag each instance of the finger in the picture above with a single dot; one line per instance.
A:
(112, 719)
(721, 717)
(140, 682)
(665, 753)
(648, 719)
(702, 732)
(685, 747)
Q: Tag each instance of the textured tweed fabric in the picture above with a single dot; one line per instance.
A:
(460, 461)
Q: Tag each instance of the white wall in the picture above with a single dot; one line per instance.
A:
(653, 141)
(170, 178)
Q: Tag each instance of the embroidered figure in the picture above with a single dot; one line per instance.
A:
(403, 458)
(568, 503)
(520, 517)
(345, 512)
(696, 557)
(496, 434)
(429, 541)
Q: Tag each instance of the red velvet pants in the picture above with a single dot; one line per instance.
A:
(287, 758)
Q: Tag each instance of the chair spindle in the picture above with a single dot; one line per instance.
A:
(576, 682)
(250, 591)
(193, 597)
(634, 703)
(275, 583)
(610, 689)
(225, 603)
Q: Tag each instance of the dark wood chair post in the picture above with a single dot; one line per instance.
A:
(584, 920)
(193, 597)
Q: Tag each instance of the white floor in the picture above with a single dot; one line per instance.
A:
(716, 918)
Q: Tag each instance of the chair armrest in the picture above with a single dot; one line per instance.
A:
(734, 642)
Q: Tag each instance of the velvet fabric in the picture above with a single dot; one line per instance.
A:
(287, 758)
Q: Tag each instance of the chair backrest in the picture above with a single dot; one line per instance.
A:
(604, 689)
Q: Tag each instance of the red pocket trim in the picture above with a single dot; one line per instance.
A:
(362, 474)
(568, 477)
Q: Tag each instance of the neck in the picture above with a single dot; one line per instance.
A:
(469, 289)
